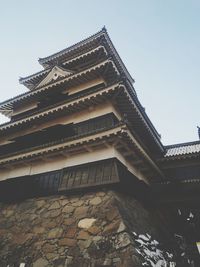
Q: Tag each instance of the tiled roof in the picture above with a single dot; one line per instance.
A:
(7, 104)
(31, 80)
(72, 47)
(45, 61)
(183, 149)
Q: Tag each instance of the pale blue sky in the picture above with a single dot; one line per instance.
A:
(159, 42)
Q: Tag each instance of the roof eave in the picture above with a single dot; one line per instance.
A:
(26, 80)
(45, 61)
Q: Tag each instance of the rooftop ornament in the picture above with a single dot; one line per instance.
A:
(198, 131)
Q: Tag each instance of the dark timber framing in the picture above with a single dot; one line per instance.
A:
(55, 94)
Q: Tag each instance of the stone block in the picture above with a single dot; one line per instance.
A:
(81, 212)
(39, 230)
(40, 203)
(111, 228)
(95, 201)
(83, 235)
(67, 242)
(68, 209)
(112, 214)
(51, 213)
(69, 221)
(84, 244)
(122, 240)
(86, 223)
(49, 224)
(54, 206)
(94, 230)
(121, 228)
(71, 232)
(48, 248)
(51, 256)
(8, 213)
(41, 263)
(55, 233)
(20, 239)
(64, 202)
(78, 203)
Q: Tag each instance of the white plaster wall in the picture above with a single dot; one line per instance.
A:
(89, 113)
(61, 162)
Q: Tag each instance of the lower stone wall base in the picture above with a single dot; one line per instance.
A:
(102, 228)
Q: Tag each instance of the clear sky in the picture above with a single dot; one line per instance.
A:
(159, 42)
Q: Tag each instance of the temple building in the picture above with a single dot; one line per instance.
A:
(84, 177)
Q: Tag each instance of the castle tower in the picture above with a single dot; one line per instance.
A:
(78, 124)
(77, 159)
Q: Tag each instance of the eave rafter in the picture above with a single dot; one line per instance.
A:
(45, 62)
(142, 151)
(35, 79)
(54, 75)
(101, 36)
(72, 144)
(117, 92)
(82, 56)
(120, 133)
(128, 103)
(78, 76)
(91, 73)
(70, 107)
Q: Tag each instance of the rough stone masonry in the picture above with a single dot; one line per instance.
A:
(101, 228)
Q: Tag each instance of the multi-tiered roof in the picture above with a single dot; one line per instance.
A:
(81, 108)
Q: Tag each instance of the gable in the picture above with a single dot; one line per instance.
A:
(53, 75)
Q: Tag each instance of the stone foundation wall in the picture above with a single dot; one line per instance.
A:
(102, 228)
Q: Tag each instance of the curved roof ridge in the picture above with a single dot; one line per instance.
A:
(183, 149)
(23, 79)
(104, 32)
(197, 142)
(44, 59)
(29, 93)
(118, 57)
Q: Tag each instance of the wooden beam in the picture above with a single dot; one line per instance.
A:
(88, 148)
(8, 167)
(47, 159)
(106, 144)
(65, 154)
